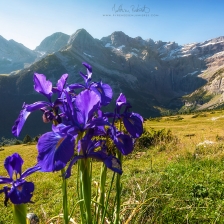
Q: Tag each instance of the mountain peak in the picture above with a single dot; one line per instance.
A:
(82, 41)
(118, 38)
(80, 36)
(118, 33)
(53, 42)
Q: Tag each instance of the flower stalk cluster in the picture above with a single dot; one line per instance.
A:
(81, 132)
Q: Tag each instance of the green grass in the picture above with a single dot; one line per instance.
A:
(182, 183)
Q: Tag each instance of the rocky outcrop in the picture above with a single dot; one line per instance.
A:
(210, 95)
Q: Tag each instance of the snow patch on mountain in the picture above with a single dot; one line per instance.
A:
(88, 55)
(8, 59)
(193, 73)
(134, 49)
(170, 50)
(108, 45)
(120, 47)
(41, 53)
(211, 43)
(204, 57)
(133, 53)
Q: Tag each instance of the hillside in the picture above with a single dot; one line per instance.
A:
(177, 179)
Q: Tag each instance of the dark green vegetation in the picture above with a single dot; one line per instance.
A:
(175, 175)
(199, 97)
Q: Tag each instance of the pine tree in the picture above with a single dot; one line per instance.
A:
(27, 139)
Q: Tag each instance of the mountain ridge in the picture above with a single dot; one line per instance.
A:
(154, 75)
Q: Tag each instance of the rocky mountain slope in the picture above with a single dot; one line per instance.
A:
(154, 75)
(52, 43)
(210, 95)
(14, 56)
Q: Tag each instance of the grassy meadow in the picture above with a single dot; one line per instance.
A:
(177, 179)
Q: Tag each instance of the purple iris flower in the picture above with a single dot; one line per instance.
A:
(55, 149)
(103, 90)
(21, 191)
(80, 112)
(123, 142)
(133, 122)
(43, 86)
(88, 77)
(18, 125)
(121, 102)
(87, 149)
(60, 85)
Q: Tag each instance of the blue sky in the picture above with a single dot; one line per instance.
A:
(183, 21)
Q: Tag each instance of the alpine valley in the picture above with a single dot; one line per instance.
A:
(157, 77)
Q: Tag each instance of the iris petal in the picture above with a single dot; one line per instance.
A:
(61, 82)
(18, 125)
(104, 91)
(30, 171)
(99, 121)
(120, 102)
(43, 86)
(87, 103)
(46, 148)
(89, 70)
(124, 143)
(65, 150)
(54, 151)
(114, 164)
(133, 124)
(5, 180)
(73, 161)
(13, 164)
(21, 193)
(121, 99)
(76, 86)
(37, 105)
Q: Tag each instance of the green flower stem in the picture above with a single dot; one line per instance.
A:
(118, 185)
(64, 188)
(118, 195)
(65, 199)
(96, 207)
(103, 176)
(80, 195)
(86, 187)
(19, 213)
(107, 201)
